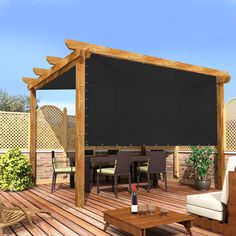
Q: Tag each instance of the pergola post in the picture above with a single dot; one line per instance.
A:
(80, 127)
(220, 135)
(176, 161)
(64, 130)
(33, 132)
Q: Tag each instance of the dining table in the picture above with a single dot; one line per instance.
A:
(134, 158)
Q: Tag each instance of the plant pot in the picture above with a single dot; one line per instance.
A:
(203, 185)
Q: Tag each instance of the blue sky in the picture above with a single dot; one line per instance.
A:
(200, 32)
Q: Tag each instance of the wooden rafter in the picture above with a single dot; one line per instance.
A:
(39, 71)
(53, 60)
(58, 69)
(110, 52)
(61, 65)
(28, 80)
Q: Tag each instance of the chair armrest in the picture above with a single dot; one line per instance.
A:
(138, 165)
(100, 167)
(63, 161)
(27, 216)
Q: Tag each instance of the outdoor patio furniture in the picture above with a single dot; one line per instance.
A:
(212, 205)
(136, 224)
(96, 165)
(156, 165)
(12, 215)
(60, 166)
(121, 168)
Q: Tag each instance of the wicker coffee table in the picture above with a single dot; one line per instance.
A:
(138, 224)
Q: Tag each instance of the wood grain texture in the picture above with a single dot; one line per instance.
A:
(33, 131)
(59, 63)
(220, 135)
(39, 71)
(28, 80)
(58, 69)
(232, 204)
(80, 131)
(228, 228)
(209, 224)
(110, 52)
(138, 224)
(53, 60)
(88, 220)
(176, 161)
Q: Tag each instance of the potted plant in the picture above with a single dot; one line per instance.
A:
(15, 171)
(201, 160)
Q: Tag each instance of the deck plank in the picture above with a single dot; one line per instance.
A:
(88, 220)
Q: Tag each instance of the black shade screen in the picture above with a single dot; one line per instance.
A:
(64, 81)
(130, 103)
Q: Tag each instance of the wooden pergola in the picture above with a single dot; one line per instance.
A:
(76, 59)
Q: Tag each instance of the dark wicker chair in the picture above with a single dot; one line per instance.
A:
(60, 166)
(121, 168)
(156, 165)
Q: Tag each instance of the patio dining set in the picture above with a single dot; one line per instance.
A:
(115, 164)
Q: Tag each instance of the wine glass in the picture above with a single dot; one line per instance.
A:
(151, 208)
(142, 209)
(163, 211)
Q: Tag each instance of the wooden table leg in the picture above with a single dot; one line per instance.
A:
(187, 225)
(106, 226)
(144, 232)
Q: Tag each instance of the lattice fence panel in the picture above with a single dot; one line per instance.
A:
(230, 126)
(185, 148)
(231, 135)
(49, 128)
(14, 130)
(71, 121)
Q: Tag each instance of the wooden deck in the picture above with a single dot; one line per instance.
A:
(70, 221)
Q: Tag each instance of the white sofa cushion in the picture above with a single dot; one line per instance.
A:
(212, 214)
(206, 200)
(225, 190)
(211, 205)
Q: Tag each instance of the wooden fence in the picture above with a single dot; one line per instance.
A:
(56, 129)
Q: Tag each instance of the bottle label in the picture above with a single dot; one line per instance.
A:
(134, 208)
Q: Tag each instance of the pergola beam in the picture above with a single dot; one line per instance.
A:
(39, 71)
(77, 59)
(57, 70)
(28, 80)
(110, 52)
(53, 60)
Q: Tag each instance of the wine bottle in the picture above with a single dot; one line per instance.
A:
(134, 200)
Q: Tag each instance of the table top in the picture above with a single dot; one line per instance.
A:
(146, 221)
(97, 159)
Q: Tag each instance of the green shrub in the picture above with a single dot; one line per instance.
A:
(201, 159)
(15, 171)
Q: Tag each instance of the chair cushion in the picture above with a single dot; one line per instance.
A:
(209, 213)
(144, 163)
(143, 169)
(108, 171)
(206, 200)
(65, 169)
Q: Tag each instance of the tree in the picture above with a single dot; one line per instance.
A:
(17, 103)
